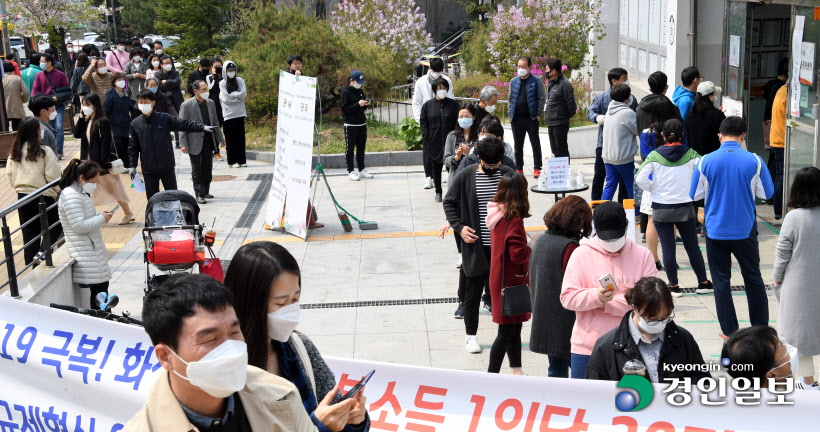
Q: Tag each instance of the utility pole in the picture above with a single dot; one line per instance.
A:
(114, 19)
(6, 44)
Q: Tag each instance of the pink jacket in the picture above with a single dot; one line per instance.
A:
(579, 292)
(114, 65)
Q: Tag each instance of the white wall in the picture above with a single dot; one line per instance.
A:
(53, 285)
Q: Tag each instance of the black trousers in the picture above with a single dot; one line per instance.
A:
(121, 144)
(168, 179)
(428, 166)
(472, 297)
(96, 289)
(30, 231)
(462, 278)
(520, 128)
(355, 139)
(558, 140)
(15, 123)
(202, 166)
(599, 179)
(508, 341)
(435, 169)
(234, 130)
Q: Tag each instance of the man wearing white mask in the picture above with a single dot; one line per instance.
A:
(761, 347)
(43, 108)
(527, 99)
(96, 76)
(424, 92)
(200, 147)
(610, 253)
(486, 103)
(207, 383)
(150, 144)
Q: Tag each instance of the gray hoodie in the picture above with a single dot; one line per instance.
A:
(620, 130)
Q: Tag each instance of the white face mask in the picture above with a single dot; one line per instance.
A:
(52, 115)
(103, 70)
(435, 75)
(42, 133)
(89, 187)
(231, 74)
(120, 48)
(155, 63)
(158, 52)
(523, 72)
(222, 372)
(87, 110)
(651, 329)
(284, 321)
(120, 84)
(490, 108)
(205, 95)
(441, 94)
(167, 67)
(357, 86)
(613, 246)
(625, 82)
(146, 108)
(137, 59)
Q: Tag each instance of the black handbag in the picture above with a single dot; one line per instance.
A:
(64, 94)
(515, 300)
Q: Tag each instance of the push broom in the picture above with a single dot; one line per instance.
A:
(343, 214)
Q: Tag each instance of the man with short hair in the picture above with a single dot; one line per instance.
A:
(29, 74)
(560, 107)
(72, 55)
(760, 347)
(118, 58)
(597, 113)
(619, 145)
(527, 99)
(150, 144)
(200, 74)
(45, 83)
(424, 92)
(192, 322)
(97, 78)
(486, 103)
(684, 96)
(777, 141)
(56, 56)
(294, 64)
(729, 179)
(158, 49)
(200, 146)
(42, 107)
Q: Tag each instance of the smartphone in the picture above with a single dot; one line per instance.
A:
(358, 387)
(114, 209)
(608, 283)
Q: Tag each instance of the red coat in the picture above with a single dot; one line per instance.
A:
(514, 248)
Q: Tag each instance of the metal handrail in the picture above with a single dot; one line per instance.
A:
(29, 198)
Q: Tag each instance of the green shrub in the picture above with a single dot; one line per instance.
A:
(411, 132)
(378, 64)
(471, 86)
(474, 54)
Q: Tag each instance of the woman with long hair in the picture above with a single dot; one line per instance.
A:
(461, 140)
(232, 94)
(77, 84)
(117, 107)
(81, 224)
(135, 72)
(702, 126)
(31, 166)
(568, 221)
(153, 66)
(509, 265)
(266, 284)
(94, 130)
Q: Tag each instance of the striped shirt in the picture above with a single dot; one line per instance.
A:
(485, 188)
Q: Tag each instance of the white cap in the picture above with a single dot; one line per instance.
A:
(708, 87)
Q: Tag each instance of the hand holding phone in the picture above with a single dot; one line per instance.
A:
(114, 210)
(358, 387)
(608, 283)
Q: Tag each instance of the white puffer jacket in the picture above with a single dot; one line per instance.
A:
(81, 225)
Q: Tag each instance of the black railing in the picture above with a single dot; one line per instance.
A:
(394, 111)
(7, 234)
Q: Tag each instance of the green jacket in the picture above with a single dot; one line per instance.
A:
(29, 74)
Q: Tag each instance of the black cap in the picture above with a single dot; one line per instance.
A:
(610, 220)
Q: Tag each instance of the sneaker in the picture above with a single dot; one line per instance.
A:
(201, 200)
(243, 165)
(676, 291)
(643, 238)
(520, 171)
(438, 198)
(658, 265)
(353, 175)
(459, 262)
(60, 156)
(536, 173)
(218, 156)
(705, 288)
(459, 314)
(678, 240)
(471, 345)
(488, 307)
(365, 175)
(208, 196)
(800, 384)
(233, 165)
(777, 221)
(429, 184)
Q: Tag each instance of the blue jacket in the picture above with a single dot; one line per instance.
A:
(600, 106)
(683, 99)
(536, 96)
(729, 179)
(118, 111)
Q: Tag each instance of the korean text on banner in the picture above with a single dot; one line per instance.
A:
(290, 188)
(557, 172)
(797, 51)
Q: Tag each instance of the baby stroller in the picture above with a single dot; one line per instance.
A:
(172, 235)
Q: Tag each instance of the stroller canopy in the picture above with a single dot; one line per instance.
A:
(186, 199)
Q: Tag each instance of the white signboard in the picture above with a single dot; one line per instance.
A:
(290, 189)
(807, 63)
(557, 172)
(797, 50)
(734, 50)
(671, 25)
(643, 20)
(654, 21)
(732, 107)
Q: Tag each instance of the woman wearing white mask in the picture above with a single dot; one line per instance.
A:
(599, 309)
(135, 72)
(266, 270)
(439, 117)
(353, 103)
(153, 66)
(232, 95)
(169, 81)
(119, 108)
(647, 333)
(81, 224)
(97, 78)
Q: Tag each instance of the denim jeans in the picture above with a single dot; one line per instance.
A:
(614, 175)
(599, 177)
(558, 368)
(578, 366)
(689, 235)
(719, 253)
(57, 124)
(778, 182)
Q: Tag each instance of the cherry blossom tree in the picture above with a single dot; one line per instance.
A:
(55, 17)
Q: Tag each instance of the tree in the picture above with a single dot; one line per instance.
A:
(198, 23)
(137, 16)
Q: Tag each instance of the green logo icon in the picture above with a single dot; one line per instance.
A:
(626, 401)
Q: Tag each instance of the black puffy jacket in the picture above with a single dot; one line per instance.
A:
(150, 140)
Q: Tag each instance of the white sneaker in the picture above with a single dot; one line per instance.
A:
(800, 384)
(459, 262)
(353, 176)
(429, 184)
(471, 345)
(233, 165)
(243, 165)
(365, 175)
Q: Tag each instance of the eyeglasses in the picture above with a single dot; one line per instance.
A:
(658, 322)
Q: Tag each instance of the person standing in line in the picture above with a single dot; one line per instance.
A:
(161, 102)
(151, 146)
(96, 76)
(118, 58)
(153, 66)
(425, 91)
(170, 81)
(509, 265)
(158, 49)
(486, 103)
(200, 146)
(664, 174)
(466, 208)
(294, 64)
(29, 74)
(568, 221)
(79, 86)
(619, 144)
(796, 273)
(213, 85)
(45, 83)
(95, 132)
(117, 107)
(439, 117)
(135, 72)
(769, 93)
(31, 166)
(232, 94)
(198, 75)
(72, 53)
(42, 107)
(684, 96)
(527, 99)
(353, 104)
(703, 123)
(777, 140)
(598, 309)
(597, 114)
(16, 95)
(730, 179)
(560, 107)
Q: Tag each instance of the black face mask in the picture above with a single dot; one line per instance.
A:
(218, 70)
(490, 171)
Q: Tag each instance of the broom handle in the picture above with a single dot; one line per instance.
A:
(336, 203)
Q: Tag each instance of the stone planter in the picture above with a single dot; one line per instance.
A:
(6, 140)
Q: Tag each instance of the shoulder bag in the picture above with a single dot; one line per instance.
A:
(117, 165)
(64, 94)
(515, 300)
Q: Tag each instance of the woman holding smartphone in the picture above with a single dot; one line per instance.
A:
(266, 283)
